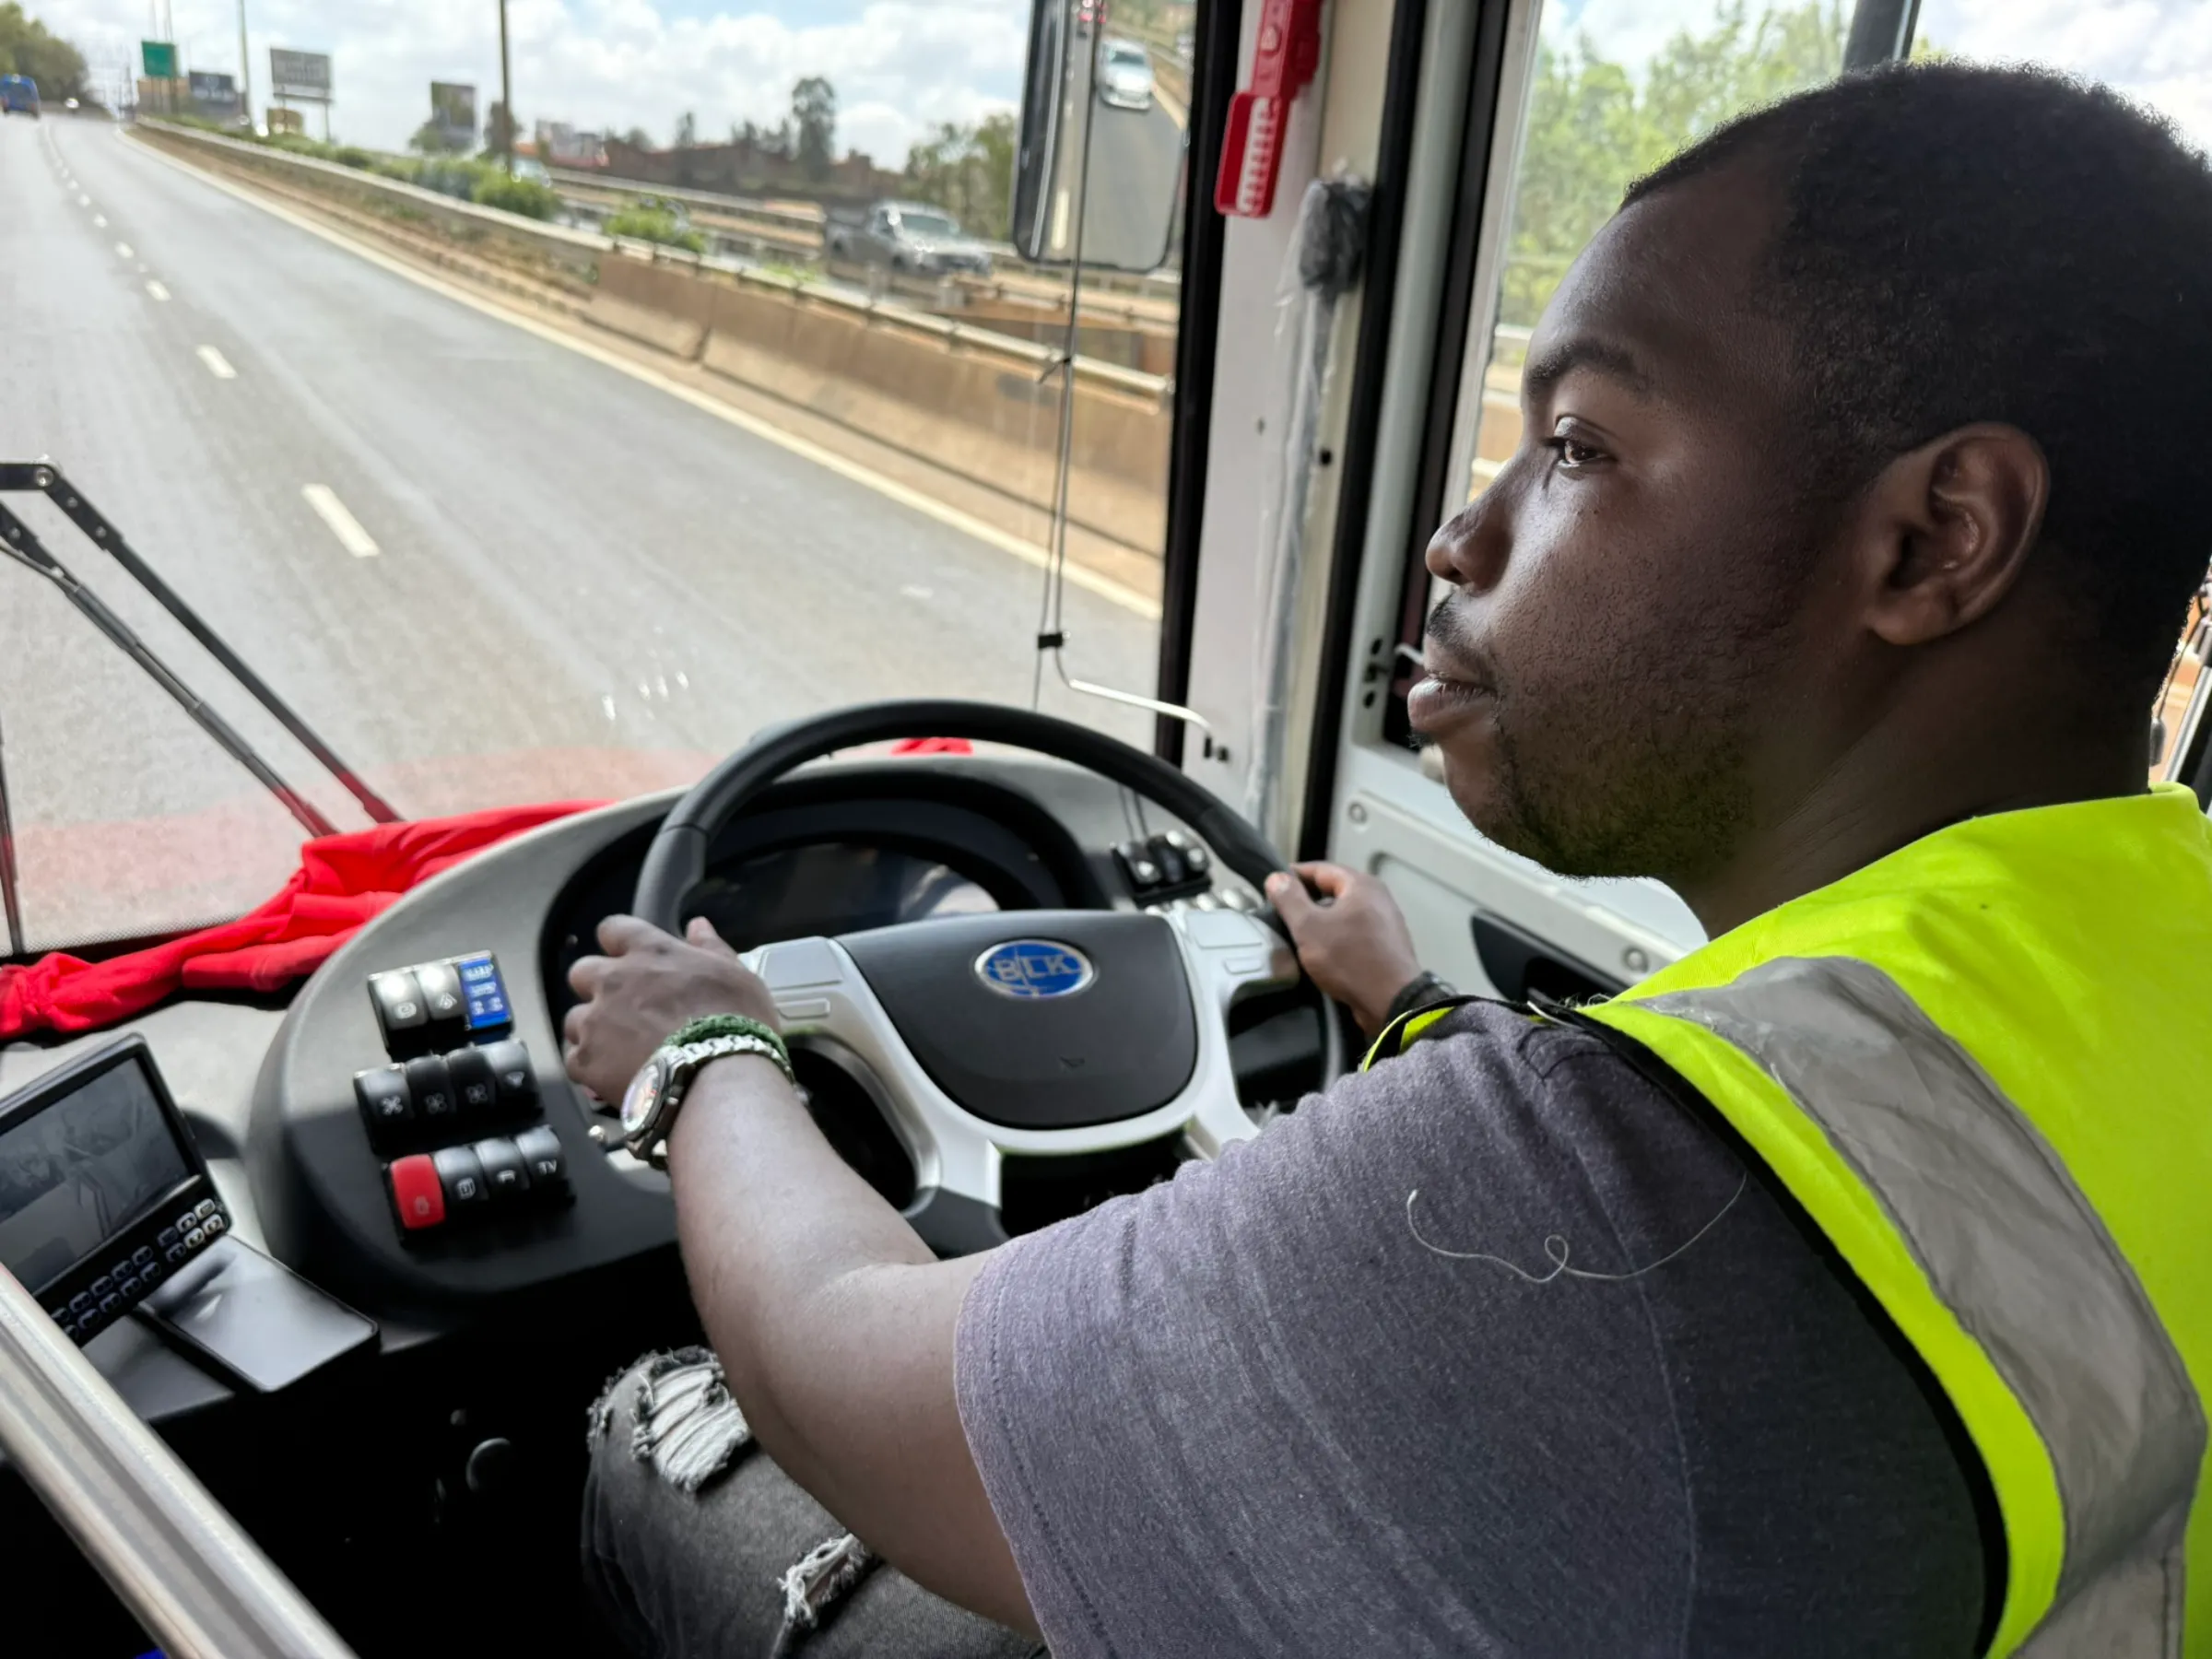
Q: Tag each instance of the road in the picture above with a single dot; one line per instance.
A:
(581, 585)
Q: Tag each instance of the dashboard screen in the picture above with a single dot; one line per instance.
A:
(831, 888)
(76, 1173)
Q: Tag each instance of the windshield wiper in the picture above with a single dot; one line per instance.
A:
(19, 542)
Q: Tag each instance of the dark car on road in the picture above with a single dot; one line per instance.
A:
(910, 238)
(18, 95)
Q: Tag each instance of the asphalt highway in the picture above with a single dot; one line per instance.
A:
(488, 569)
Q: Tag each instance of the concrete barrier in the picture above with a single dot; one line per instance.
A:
(983, 407)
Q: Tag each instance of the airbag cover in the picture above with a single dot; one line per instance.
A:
(1002, 1016)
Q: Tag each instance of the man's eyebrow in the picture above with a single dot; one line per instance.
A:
(1615, 362)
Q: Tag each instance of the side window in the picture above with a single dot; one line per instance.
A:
(1617, 88)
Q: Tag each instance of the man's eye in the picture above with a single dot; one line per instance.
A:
(1573, 452)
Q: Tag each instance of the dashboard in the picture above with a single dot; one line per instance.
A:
(837, 849)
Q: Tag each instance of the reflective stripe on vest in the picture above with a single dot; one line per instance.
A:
(2012, 1249)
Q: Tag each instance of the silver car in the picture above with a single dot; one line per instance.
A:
(1125, 76)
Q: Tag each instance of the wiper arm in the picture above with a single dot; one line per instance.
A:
(45, 477)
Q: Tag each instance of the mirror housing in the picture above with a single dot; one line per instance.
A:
(1098, 129)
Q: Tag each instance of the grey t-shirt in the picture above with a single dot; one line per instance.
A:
(1259, 1409)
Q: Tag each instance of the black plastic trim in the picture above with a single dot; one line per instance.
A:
(1387, 225)
(1205, 236)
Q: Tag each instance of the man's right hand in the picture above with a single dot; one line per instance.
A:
(1353, 943)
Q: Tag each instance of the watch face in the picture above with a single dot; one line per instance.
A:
(643, 1095)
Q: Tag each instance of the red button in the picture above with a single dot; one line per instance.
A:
(415, 1193)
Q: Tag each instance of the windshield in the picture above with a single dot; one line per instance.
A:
(1122, 55)
(549, 484)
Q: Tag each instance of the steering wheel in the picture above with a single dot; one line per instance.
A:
(1023, 1033)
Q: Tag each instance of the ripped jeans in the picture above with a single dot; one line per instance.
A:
(697, 1545)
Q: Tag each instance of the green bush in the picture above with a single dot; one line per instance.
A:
(642, 223)
(526, 196)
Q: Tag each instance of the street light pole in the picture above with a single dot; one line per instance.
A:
(506, 98)
(246, 71)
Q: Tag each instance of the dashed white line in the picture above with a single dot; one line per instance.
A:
(157, 290)
(219, 366)
(123, 250)
(342, 524)
(84, 201)
(99, 221)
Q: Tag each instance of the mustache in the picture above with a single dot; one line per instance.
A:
(1447, 635)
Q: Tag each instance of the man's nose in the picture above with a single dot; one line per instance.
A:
(1471, 549)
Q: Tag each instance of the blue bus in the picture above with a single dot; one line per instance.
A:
(18, 95)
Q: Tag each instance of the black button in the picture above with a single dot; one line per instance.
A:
(399, 1010)
(541, 1153)
(443, 1002)
(142, 1255)
(510, 1062)
(126, 1283)
(1138, 866)
(503, 1168)
(195, 1238)
(166, 1237)
(1172, 869)
(383, 1099)
(101, 1286)
(152, 1274)
(474, 1085)
(81, 1301)
(173, 1254)
(431, 1086)
(109, 1306)
(202, 1209)
(461, 1174)
(216, 1224)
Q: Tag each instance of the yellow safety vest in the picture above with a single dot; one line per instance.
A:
(1979, 1064)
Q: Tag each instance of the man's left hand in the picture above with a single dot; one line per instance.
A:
(645, 988)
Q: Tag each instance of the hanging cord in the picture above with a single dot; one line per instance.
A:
(1557, 1249)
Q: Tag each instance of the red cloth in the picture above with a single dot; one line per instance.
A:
(933, 746)
(342, 881)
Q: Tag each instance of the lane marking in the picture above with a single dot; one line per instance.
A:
(342, 524)
(219, 366)
(99, 221)
(157, 290)
(84, 201)
(952, 518)
(123, 250)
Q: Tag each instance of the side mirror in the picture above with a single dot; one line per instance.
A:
(1099, 132)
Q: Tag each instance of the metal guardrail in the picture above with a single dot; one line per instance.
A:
(187, 1572)
(562, 239)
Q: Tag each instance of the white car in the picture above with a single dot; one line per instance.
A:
(1125, 76)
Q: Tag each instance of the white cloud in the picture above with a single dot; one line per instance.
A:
(899, 66)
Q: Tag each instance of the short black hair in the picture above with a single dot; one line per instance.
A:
(1961, 243)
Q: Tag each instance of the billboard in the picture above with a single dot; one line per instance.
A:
(160, 59)
(454, 110)
(213, 94)
(302, 75)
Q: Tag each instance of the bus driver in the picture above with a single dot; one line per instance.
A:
(1840, 1290)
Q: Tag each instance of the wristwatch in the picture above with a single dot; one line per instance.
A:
(656, 1093)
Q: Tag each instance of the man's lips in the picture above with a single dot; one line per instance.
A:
(1451, 690)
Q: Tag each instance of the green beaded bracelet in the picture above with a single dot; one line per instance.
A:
(734, 1025)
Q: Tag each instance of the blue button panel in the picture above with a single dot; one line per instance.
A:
(486, 991)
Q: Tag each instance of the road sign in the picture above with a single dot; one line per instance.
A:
(160, 59)
(302, 76)
(213, 94)
(454, 110)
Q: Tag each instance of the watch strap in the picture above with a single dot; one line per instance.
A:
(709, 1027)
(1419, 992)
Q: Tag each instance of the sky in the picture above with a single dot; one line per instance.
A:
(901, 67)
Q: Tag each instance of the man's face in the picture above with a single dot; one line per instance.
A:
(1628, 592)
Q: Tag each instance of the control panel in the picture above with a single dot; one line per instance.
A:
(452, 1112)
(1168, 866)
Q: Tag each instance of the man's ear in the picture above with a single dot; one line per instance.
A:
(1947, 528)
